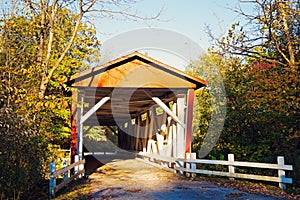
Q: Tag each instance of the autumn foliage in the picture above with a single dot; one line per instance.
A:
(259, 63)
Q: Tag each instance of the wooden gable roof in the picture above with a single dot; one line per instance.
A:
(129, 81)
(135, 70)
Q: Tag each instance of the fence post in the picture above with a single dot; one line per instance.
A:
(76, 168)
(65, 163)
(231, 167)
(281, 173)
(81, 167)
(191, 166)
(52, 180)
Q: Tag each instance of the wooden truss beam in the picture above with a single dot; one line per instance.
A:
(166, 109)
(94, 109)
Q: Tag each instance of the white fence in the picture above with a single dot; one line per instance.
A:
(190, 166)
(79, 171)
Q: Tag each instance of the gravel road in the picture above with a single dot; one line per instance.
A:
(134, 179)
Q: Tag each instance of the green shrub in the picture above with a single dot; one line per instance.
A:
(23, 157)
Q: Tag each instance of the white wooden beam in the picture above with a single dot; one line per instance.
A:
(180, 129)
(94, 109)
(167, 110)
(174, 140)
(80, 133)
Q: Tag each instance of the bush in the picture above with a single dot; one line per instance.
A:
(23, 155)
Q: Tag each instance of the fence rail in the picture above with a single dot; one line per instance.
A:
(79, 171)
(190, 166)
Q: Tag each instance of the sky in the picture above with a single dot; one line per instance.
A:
(189, 18)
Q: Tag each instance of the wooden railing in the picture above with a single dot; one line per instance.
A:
(79, 171)
(190, 166)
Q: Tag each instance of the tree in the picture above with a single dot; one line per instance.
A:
(47, 27)
(60, 40)
(41, 44)
(258, 125)
(271, 34)
(28, 124)
(263, 98)
(21, 75)
(56, 39)
(210, 103)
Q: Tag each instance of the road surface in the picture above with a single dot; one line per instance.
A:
(133, 179)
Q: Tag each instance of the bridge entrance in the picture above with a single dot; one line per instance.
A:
(146, 103)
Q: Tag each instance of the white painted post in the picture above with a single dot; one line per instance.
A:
(193, 165)
(65, 163)
(180, 140)
(52, 183)
(169, 142)
(174, 134)
(160, 144)
(190, 165)
(76, 168)
(80, 132)
(180, 129)
(81, 167)
(281, 173)
(231, 167)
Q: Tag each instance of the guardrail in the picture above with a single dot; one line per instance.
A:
(190, 166)
(79, 171)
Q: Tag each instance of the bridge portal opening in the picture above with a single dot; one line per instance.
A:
(134, 103)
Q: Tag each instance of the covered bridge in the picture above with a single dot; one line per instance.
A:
(149, 102)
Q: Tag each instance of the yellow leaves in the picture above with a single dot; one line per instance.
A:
(281, 4)
(38, 105)
(47, 104)
(50, 105)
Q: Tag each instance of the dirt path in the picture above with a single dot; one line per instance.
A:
(133, 179)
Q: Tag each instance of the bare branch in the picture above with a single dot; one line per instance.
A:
(242, 51)
(127, 14)
(281, 52)
(89, 7)
(275, 30)
(31, 8)
(83, 7)
(46, 79)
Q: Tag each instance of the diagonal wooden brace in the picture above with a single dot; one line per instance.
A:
(166, 109)
(94, 109)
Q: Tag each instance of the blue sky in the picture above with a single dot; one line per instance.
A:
(187, 17)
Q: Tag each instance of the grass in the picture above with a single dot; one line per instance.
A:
(78, 189)
(254, 187)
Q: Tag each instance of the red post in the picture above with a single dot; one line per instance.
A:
(189, 120)
(74, 139)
